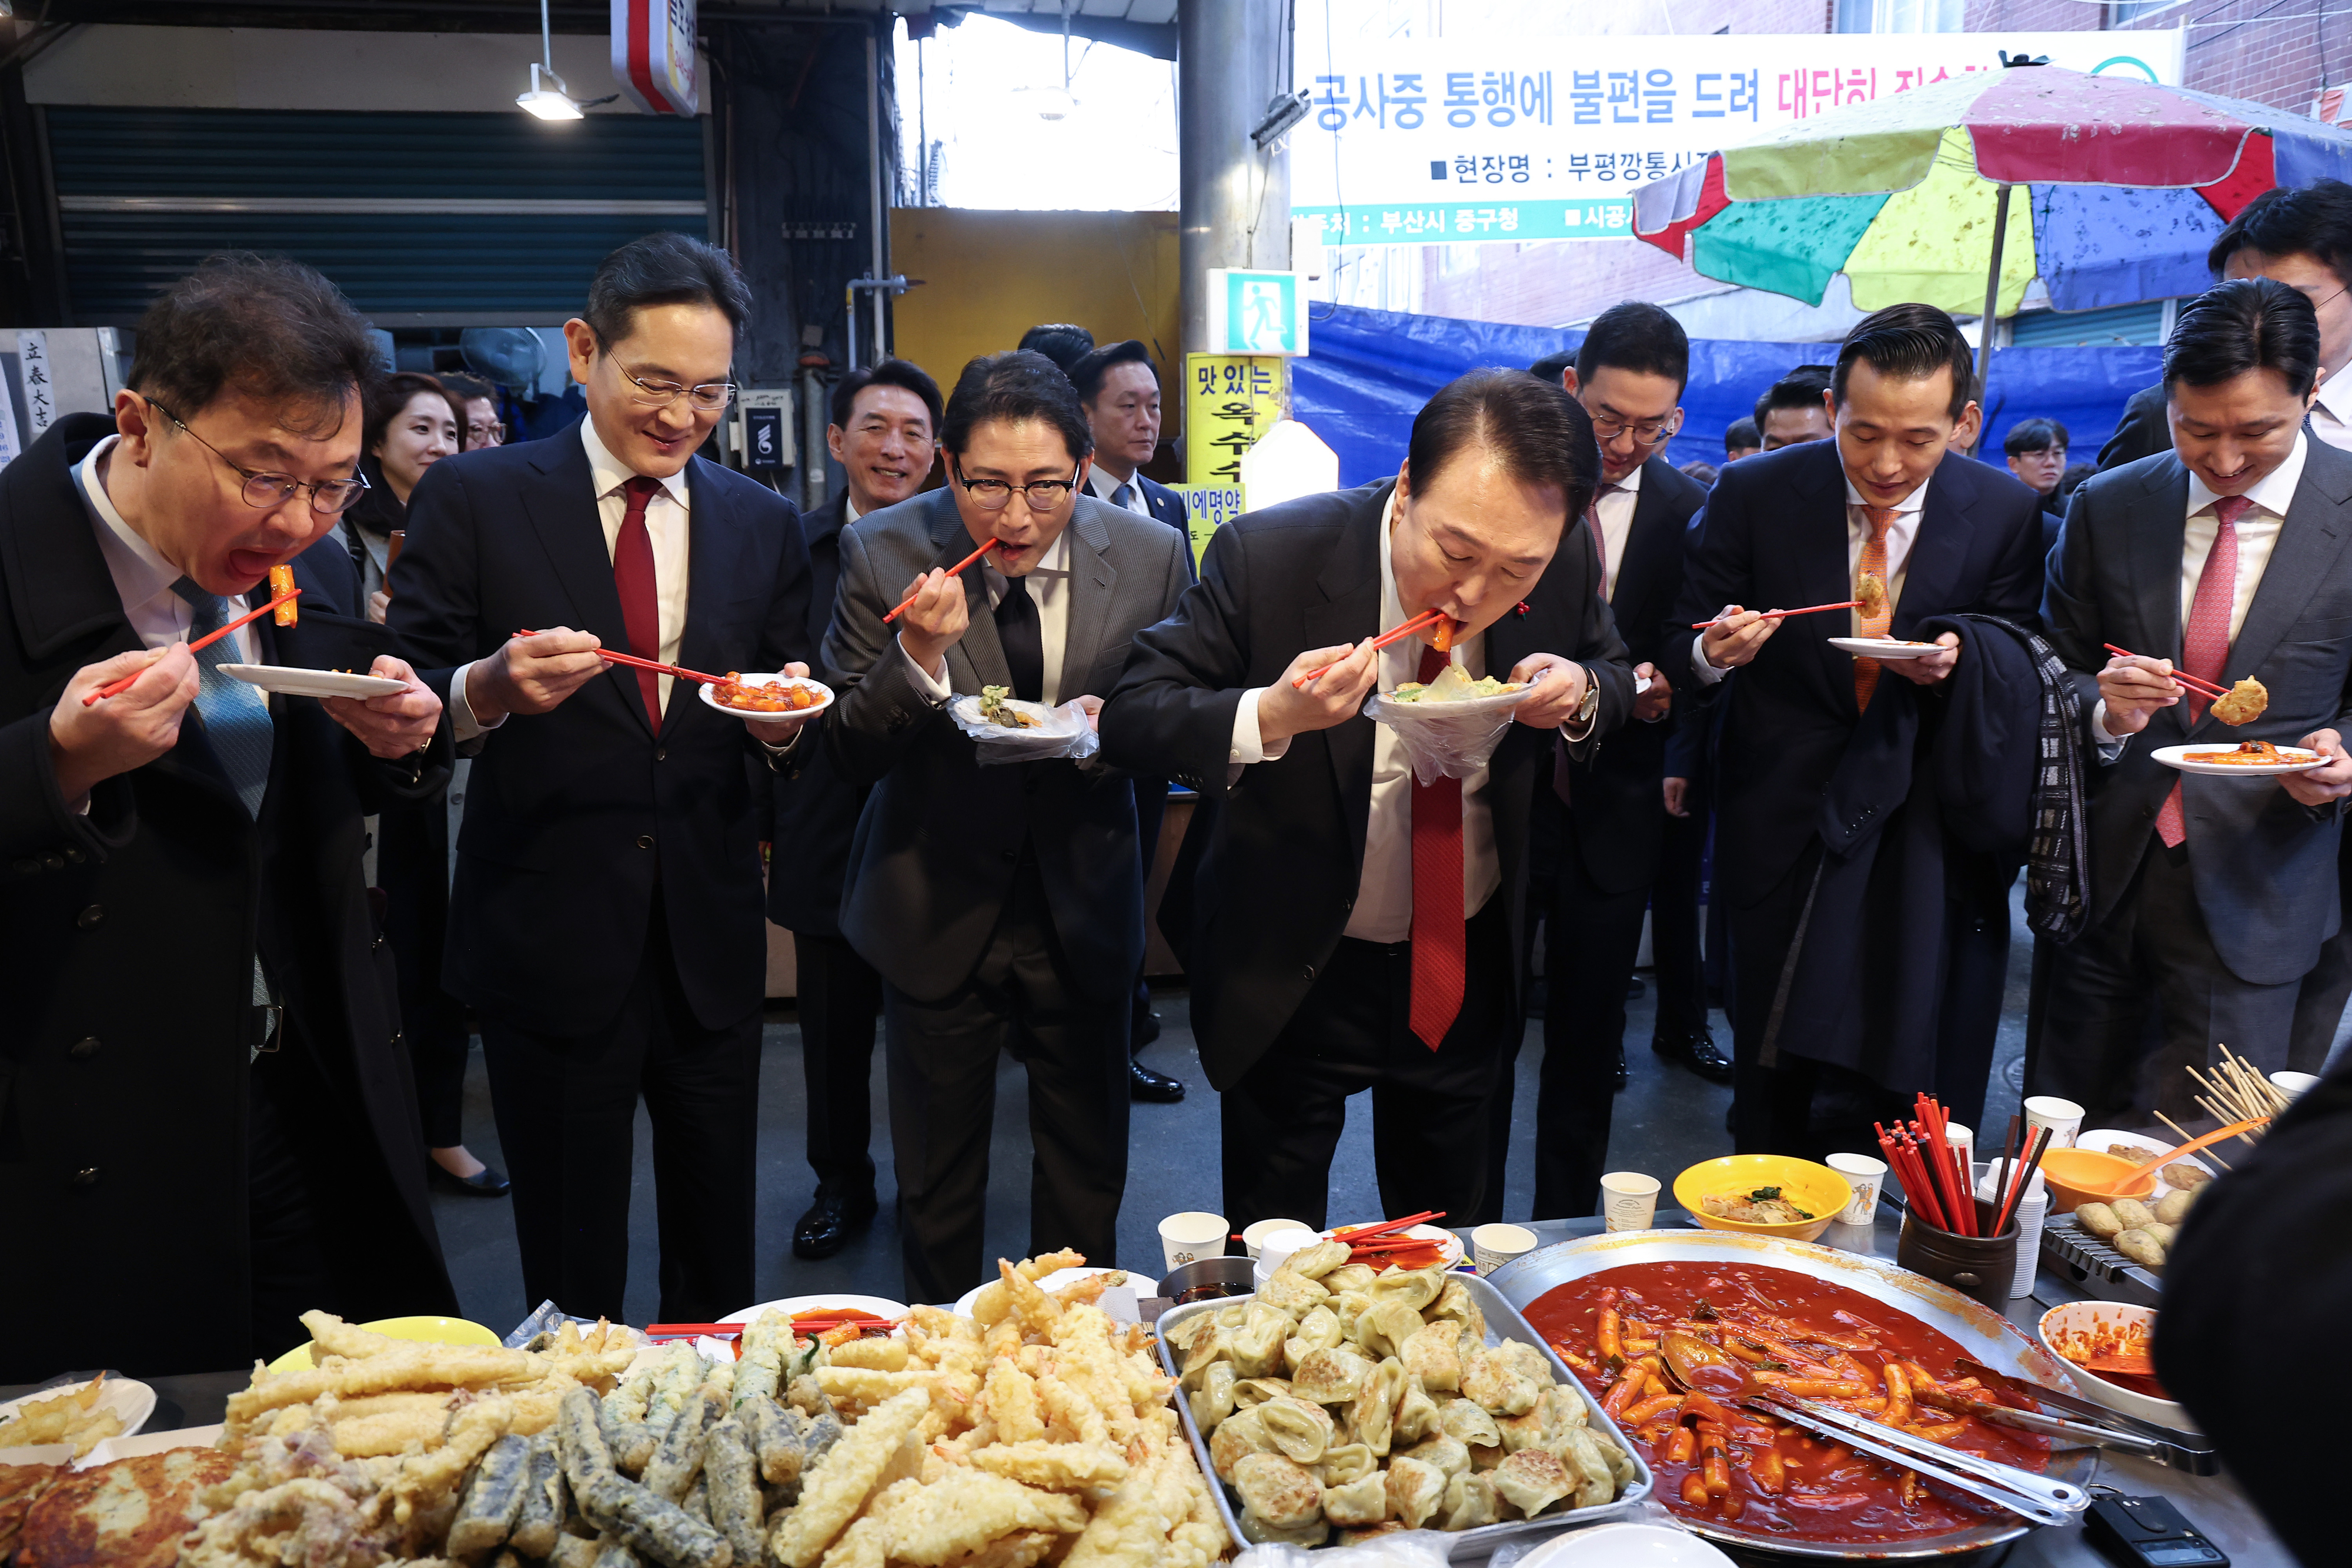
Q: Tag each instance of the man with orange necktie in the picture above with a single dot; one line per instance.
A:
(1892, 516)
(2210, 897)
(1345, 926)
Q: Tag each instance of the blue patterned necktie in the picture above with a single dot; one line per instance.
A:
(236, 716)
(1123, 496)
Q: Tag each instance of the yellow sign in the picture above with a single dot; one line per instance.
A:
(1207, 508)
(1230, 399)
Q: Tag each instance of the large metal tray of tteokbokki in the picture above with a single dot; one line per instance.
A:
(1852, 1507)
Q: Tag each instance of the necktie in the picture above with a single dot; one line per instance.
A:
(2205, 647)
(1123, 496)
(1438, 964)
(633, 575)
(1023, 639)
(236, 716)
(1877, 610)
(1600, 538)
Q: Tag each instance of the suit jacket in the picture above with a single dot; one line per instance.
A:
(940, 838)
(2264, 866)
(2143, 432)
(1614, 794)
(585, 814)
(815, 815)
(1774, 533)
(127, 939)
(1259, 901)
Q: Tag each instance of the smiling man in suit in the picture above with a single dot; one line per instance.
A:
(1003, 904)
(605, 925)
(2211, 898)
(1345, 926)
(1891, 513)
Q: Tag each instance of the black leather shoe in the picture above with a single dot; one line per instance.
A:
(1144, 1029)
(827, 1226)
(484, 1183)
(1623, 1079)
(1696, 1051)
(1142, 1083)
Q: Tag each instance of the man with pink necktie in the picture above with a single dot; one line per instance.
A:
(2209, 896)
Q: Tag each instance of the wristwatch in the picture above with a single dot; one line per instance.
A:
(1591, 703)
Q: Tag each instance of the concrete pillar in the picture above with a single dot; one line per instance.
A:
(1232, 58)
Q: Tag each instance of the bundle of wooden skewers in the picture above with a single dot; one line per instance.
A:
(2234, 1092)
(1386, 1243)
(1937, 1182)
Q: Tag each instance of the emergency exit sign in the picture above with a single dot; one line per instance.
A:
(1256, 312)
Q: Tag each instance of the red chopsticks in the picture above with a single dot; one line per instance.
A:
(2194, 683)
(1406, 630)
(1776, 614)
(2020, 1177)
(116, 688)
(956, 570)
(660, 669)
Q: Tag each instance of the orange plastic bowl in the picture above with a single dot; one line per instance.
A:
(2077, 1177)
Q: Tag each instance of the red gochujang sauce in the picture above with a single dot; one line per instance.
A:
(1785, 1324)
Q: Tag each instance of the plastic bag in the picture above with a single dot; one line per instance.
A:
(1448, 741)
(1399, 1549)
(1059, 732)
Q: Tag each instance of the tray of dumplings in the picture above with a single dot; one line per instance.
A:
(1342, 1401)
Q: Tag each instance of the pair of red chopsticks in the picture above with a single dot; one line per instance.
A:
(1426, 618)
(1933, 1179)
(116, 688)
(1366, 1243)
(955, 570)
(1776, 614)
(2194, 683)
(660, 669)
(2009, 1188)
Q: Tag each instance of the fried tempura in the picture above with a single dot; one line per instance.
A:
(2245, 703)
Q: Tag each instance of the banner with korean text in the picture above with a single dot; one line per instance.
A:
(1465, 142)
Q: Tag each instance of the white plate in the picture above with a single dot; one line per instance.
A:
(2178, 756)
(1626, 1546)
(1063, 722)
(711, 701)
(1882, 647)
(2098, 1138)
(1392, 710)
(1144, 1285)
(790, 1304)
(1449, 1244)
(295, 681)
(132, 1401)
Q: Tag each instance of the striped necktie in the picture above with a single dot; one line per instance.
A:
(236, 716)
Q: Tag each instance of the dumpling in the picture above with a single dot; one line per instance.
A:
(1332, 1376)
(1205, 1351)
(1596, 1482)
(1314, 1262)
(1416, 1287)
(1469, 1502)
(1499, 1385)
(1415, 1490)
(1346, 1462)
(1486, 1458)
(1364, 1500)
(1258, 1532)
(1531, 1363)
(1416, 1414)
(1349, 1305)
(1467, 1421)
(1252, 1392)
(1371, 1419)
(1385, 1326)
(1448, 1454)
(1302, 1431)
(1213, 1401)
(1540, 1428)
(1278, 1491)
(1291, 1293)
(1186, 1334)
(1430, 1354)
(1237, 1438)
(1257, 1345)
(1348, 1277)
(1531, 1480)
(1454, 1303)
(1319, 1330)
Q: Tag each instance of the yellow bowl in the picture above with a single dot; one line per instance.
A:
(1817, 1190)
(429, 1330)
(2077, 1177)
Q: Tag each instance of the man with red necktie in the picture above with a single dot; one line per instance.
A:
(2210, 897)
(1345, 927)
(607, 921)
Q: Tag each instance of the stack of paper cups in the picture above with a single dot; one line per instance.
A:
(1275, 1250)
(2031, 1210)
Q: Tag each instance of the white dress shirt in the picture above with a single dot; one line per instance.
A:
(1049, 589)
(142, 578)
(1104, 487)
(1615, 510)
(1901, 534)
(2331, 416)
(666, 524)
(2258, 531)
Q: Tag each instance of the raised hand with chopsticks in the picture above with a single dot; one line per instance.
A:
(90, 742)
(2134, 687)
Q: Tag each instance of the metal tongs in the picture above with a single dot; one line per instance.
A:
(2101, 1428)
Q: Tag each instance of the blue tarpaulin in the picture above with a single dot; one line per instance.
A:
(1371, 371)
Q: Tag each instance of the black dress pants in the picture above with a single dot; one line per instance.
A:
(288, 1267)
(1680, 970)
(412, 866)
(2319, 1004)
(1021, 997)
(1592, 937)
(840, 994)
(1282, 1120)
(1151, 811)
(566, 1110)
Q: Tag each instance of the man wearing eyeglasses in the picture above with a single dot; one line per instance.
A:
(606, 925)
(201, 1061)
(1003, 901)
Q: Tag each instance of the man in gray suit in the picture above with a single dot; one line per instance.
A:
(1002, 904)
(2211, 896)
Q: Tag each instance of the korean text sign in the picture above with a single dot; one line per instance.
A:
(1230, 399)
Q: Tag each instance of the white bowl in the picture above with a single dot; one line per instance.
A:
(1626, 1546)
(2061, 1323)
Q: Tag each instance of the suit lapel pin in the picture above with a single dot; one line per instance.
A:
(1523, 607)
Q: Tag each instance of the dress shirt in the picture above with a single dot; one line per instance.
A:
(1105, 487)
(1615, 509)
(1049, 588)
(2257, 533)
(665, 523)
(1900, 535)
(2331, 416)
(142, 578)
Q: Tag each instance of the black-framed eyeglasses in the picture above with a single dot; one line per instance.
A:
(268, 491)
(1646, 433)
(707, 398)
(994, 494)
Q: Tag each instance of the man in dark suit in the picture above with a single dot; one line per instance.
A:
(885, 436)
(2211, 898)
(1002, 903)
(1891, 514)
(1608, 811)
(1346, 926)
(1120, 392)
(201, 1080)
(605, 925)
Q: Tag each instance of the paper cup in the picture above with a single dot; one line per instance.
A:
(1629, 1200)
(1189, 1237)
(1962, 1142)
(1253, 1236)
(2292, 1083)
(1865, 1175)
(2063, 1117)
(1492, 1245)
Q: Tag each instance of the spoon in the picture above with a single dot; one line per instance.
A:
(1707, 1369)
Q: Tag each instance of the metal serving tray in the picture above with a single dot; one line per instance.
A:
(2093, 1267)
(1502, 1321)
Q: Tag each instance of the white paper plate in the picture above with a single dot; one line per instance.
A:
(711, 700)
(114, 1449)
(1144, 1285)
(1392, 710)
(879, 1307)
(1882, 647)
(132, 1401)
(1641, 684)
(1449, 1244)
(1062, 723)
(294, 682)
(2178, 756)
(1626, 1546)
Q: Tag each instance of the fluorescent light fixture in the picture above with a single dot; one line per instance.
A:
(1050, 102)
(547, 98)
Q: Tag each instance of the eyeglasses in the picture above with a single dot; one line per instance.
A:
(707, 398)
(270, 491)
(1651, 433)
(485, 435)
(993, 495)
